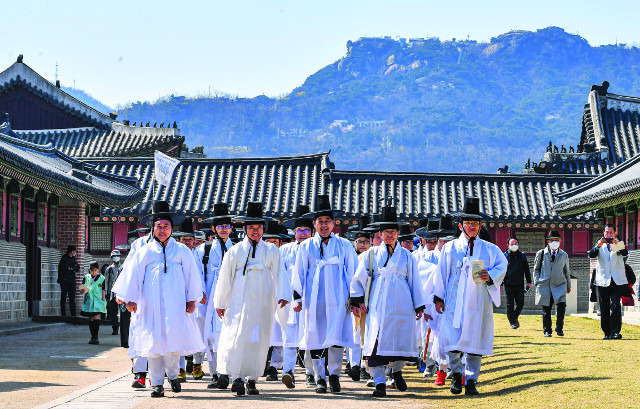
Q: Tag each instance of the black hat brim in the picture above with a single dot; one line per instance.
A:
(469, 216)
(425, 234)
(328, 212)
(291, 223)
(175, 218)
(244, 220)
(217, 220)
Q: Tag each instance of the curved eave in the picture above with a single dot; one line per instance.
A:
(128, 197)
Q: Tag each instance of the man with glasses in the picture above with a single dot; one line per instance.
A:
(610, 281)
(552, 281)
(303, 230)
(209, 258)
(467, 280)
(252, 283)
(363, 242)
(325, 265)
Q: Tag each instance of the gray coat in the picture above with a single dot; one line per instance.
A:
(551, 278)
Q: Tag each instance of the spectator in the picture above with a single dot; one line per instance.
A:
(67, 269)
(610, 281)
(552, 281)
(111, 275)
(517, 271)
(94, 300)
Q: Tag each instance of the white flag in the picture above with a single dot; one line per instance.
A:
(164, 167)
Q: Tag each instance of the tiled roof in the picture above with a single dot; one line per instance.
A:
(610, 136)
(280, 183)
(118, 141)
(44, 167)
(20, 74)
(619, 185)
(502, 196)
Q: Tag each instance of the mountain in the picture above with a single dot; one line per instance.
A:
(87, 99)
(417, 104)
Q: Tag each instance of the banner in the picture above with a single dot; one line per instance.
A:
(164, 167)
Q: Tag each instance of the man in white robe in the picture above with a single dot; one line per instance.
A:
(396, 301)
(325, 265)
(209, 258)
(465, 299)
(303, 229)
(161, 283)
(252, 282)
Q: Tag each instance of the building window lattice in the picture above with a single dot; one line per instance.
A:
(41, 222)
(13, 223)
(631, 231)
(100, 237)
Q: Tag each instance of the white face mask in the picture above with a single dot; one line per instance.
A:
(116, 259)
(555, 245)
(513, 247)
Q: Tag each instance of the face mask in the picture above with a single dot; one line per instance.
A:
(116, 259)
(554, 245)
(513, 247)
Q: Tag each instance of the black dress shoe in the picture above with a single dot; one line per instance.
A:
(310, 381)
(334, 383)
(272, 374)
(354, 373)
(606, 337)
(616, 336)
(157, 392)
(381, 391)
(238, 387)
(321, 386)
(470, 388)
(364, 374)
(547, 335)
(347, 367)
(214, 382)
(175, 385)
(401, 384)
(456, 383)
(289, 380)
(560, 333)
(114, 332)
(251, 388)
(223, 381)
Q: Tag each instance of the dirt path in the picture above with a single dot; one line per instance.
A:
(40, 366)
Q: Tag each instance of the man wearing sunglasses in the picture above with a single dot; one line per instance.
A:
(552, 281)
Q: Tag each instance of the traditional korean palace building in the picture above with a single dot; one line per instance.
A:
(112, 166)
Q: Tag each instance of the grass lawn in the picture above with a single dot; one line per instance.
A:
(579, 370)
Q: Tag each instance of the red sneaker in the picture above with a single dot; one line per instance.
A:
(139, 382)
(440, 378)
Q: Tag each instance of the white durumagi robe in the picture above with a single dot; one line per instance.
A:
(467, 321)
(324, 285)
(396, 292)
(292, 333)
(249, 289)
(161, 280)
(212, 323)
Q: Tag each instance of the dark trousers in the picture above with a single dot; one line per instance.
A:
(515, 301)
(546, 316)
(112, 313)
(125, 319)
(68, 289)
(610, 308)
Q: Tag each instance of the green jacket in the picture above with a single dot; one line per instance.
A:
(93, 299)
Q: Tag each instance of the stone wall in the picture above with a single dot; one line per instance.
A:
(579, 268)
(50, 289)
(13, 282)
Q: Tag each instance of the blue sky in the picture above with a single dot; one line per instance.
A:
(122, 51)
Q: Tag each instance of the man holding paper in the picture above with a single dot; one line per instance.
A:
(467, 280)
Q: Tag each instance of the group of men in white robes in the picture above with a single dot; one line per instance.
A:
(221, 300)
